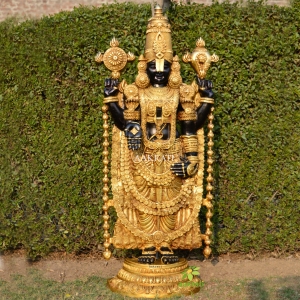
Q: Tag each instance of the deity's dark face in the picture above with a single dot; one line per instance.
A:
(159, 79)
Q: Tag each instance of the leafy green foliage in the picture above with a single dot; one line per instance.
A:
(189, 274)
(51, 127)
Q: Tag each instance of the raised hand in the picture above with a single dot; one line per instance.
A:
(110, 87)
(133, 132)
(205, 88)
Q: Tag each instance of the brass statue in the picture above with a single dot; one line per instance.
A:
(157, 162)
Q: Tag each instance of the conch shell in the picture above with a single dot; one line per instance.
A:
(200, 59)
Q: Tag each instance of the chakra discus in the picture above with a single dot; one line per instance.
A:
(115, 58)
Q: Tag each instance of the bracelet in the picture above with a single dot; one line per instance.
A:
(110, 99)
(190, 143)
(193, 159)
(132, 122)
(207, 100)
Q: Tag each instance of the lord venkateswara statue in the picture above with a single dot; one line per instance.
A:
(157, 162)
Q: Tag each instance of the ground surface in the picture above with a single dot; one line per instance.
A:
(229, 267)
(62, 276)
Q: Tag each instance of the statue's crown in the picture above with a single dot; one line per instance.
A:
(158, 39)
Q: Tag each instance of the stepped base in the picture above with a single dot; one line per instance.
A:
(152, 281)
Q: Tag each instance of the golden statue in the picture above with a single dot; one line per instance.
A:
(157, 162)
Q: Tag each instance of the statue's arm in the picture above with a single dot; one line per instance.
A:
(117, 114)
(207, 94)
(202, 113)
(132, 128)
(110, 98)
(133, 132)
(189, 163)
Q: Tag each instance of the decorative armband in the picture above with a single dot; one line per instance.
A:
(187, 94)
(186, 116)
(110, 99)
(131, 103)
(132, 115)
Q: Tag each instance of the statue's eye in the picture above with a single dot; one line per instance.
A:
(166, 64)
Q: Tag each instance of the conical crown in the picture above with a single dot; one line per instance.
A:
(158, 39)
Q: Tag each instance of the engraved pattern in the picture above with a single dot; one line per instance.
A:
(159, 46)
(166, 98)
(158, 38)
(115, 58)
(143, 203)
(131, 265)
(142, 80)
(200, 59)
(175, 79)
(136, 280)
(131, 91)
(120, 192)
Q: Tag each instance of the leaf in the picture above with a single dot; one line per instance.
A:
(190, 277)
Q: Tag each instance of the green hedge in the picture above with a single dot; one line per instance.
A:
(51, 126)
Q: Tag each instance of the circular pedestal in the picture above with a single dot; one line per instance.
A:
(152, 281)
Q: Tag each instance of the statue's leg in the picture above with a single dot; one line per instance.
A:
(147, 223)
(148, 255)
(167, 225)
(151, 224)
(167, 254)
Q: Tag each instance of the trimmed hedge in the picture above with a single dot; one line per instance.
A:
(50, 122)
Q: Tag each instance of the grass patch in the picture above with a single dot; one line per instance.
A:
(274, 288)
(36, 287)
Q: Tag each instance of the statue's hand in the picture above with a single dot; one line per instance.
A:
(205, 88)
(133, 132)
(184, 168)
(110, 87)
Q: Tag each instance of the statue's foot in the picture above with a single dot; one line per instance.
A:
(167, 256)
(169, 259)
(148, 256)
